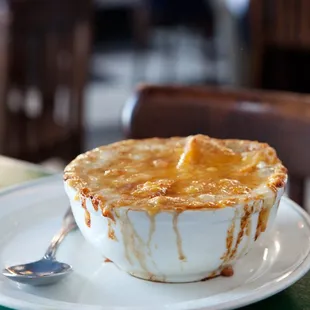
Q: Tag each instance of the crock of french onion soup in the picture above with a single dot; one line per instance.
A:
(180, 209)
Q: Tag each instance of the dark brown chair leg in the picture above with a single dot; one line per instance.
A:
(297, 189)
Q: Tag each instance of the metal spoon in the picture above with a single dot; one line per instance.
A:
(47, 270)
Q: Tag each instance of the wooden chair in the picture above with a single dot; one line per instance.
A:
(280, 43)
(278, 118)
(44, 66)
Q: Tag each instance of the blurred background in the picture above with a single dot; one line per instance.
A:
(67, 67)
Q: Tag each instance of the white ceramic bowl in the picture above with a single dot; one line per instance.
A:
(171, 246)
(121, 201)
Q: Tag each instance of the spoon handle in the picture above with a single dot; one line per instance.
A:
(68, 225)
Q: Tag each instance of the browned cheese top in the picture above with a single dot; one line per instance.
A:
(177, 173)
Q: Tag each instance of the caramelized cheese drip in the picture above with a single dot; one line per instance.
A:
(192, 172)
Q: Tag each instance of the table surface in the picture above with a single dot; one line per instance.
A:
(296, 297)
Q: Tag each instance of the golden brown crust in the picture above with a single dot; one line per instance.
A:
(178, 173)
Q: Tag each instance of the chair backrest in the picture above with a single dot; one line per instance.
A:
(47, 64)
(278, 118)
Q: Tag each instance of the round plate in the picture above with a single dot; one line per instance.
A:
(31, 214)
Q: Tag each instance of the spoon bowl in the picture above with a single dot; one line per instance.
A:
(46, 270)
(41, 272)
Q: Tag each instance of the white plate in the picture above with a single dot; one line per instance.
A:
(31, 214)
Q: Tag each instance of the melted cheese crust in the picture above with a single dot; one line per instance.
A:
(175, 173)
